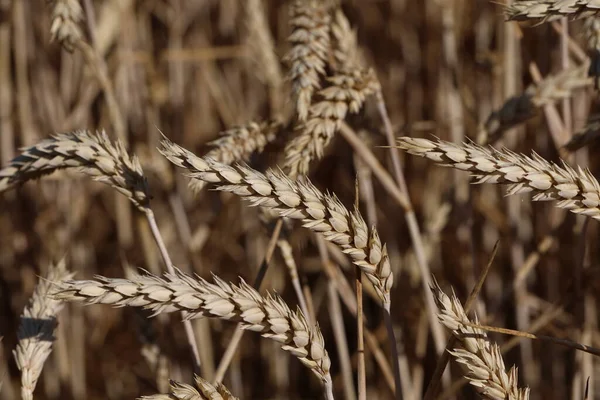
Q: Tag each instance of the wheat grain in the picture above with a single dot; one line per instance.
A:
(575, 190)
(321, 213)
(204, 390)
(66, 17)
(480, 359)
(310, 39)
(269, 316)
(239, 143)
(550, 10)
(346, 93)
(91, 154)
(36, 331)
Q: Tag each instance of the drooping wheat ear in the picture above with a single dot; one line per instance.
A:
(239, 143)
(550, 10)
(92, 154)
(346, 92)
(270, 315)
(344, 44)
(261, 44)
(479, 358)
(575, 190)
(321, 213)
(518, 109)
(204, 390)
(310, 38)
(589, 134)
(66, 17)
(36, 331)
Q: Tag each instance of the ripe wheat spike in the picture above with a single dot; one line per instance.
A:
(270, 315)
(575, 190)
(92, 154)
(319, 212)
(66, 19)
(204, 390)
(550, 10)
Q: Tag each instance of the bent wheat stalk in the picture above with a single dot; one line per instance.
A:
(36, 331)
(550, 10)
(321, 213)
(479, 358)
(270, 316)
(575, 190)
(204, 390)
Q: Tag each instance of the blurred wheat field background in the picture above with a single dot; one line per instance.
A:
(274, 222)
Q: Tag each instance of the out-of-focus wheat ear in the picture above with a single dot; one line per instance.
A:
(346, 93)
(66, 19)
(310, 21)
(346, 54)
(92, 154)
(319, 212)
(519, 109)
(550, 10)
(238, 144)
(589, 134)
(480, 358)
(591, 31)
(270, 315)
(204, 390)
(36, 331)
(575, 190)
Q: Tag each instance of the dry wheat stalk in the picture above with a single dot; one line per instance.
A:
(92, 154)
(204, 390)
(269, 316)
(346, 93)
(36, 331)
(575, 190)
(589, 134)
(480, 359)
(521, 108)
(310, 39)
(322, 213)
(549, 10)
(66, 17)
(239, 143)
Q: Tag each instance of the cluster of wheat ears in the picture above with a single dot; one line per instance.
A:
(330, 82)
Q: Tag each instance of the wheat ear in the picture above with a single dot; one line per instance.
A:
(344, 45)
(319, 212)
(310, 38)
(575, 190)
(346, 92)
(239, 143)
(66, 18)
(550, 10)
(270, 316)
(588, 134)
(479, 358)
(204, 390)
(92, 154)
(36, 331)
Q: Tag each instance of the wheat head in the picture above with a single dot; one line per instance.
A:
(575, 190)
(36, 331)
(91, 154)
(204, 390)
(321, 213)
(66, 19)
(550, 10)
(270, 315)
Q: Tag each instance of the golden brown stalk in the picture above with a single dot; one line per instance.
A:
(66, 17)
(239, 143)
(204, 390)
(479, 358)
(550, 10)
(346, 93)
(322, 213)
(310, 22)
(36, 331)
(270, 316)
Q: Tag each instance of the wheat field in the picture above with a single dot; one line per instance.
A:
(245, 199)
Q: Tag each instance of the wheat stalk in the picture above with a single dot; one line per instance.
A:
(321, 213)
(91, 154)
(550, 10)
(270, 316)
(479, 358)
(346, 92)
(66, 17)
(239, 143)
(204, 390)
(575, 190)
(36, 331)
(310, 39)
